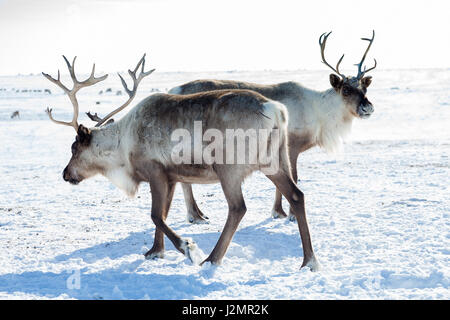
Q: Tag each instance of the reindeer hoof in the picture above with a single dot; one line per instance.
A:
(192, 252)
(210, 263)
(292, 218)
(197, 218)
(312, 264)
(153, 255)
(278, 213)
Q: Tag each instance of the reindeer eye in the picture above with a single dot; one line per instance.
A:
(346, 91)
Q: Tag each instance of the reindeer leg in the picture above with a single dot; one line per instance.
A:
(157, 250)
(194, 214)
(293, 156)
(277, 210)
(283, 181)
(236, 210)
(162, 192)
(295, 197)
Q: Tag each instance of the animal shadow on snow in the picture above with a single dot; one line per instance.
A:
(124, 283)
(261, 241)
(108, 284)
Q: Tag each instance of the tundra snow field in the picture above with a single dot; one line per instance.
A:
(378, 212)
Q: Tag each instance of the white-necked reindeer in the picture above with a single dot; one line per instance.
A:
(317, 118)
(138, 148)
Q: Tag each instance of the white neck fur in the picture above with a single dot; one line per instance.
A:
(334, 120)
(111, 149)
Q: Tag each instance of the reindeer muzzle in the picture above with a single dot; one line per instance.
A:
(365, 110)
(68, 178)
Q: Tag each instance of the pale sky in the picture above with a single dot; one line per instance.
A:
(220, 35)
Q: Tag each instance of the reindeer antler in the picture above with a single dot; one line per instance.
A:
(131, 93)
(361, 72)
(322, 43)
(93, 117)
(77, 85)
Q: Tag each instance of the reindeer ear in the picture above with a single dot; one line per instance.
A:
(366, 81)
(83, 135)
(335, 81)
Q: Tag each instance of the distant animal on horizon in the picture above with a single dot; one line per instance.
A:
(15, 114)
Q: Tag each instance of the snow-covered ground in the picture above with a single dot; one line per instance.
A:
(378, 213)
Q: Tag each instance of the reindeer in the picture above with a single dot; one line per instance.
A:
(15, 114)
(138, 148)
(317, 118)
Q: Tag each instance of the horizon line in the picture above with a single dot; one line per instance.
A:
(232, 70)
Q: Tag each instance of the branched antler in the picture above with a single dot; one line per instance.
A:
(77, 85)
(131, 93)
(361, 72)
(93, 117)
(322, 42)
(96, 118)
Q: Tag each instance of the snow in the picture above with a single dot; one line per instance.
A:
(378, 212)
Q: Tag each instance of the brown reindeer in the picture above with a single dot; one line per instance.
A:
(15, 114)
(317, 118)
(140, 148)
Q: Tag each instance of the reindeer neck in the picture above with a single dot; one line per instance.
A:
(106, 139)
(333, 119)
(112, 148)
(322, 115)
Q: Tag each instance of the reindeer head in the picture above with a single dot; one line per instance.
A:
(82, 164)
(351, 89)
(86, 161)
